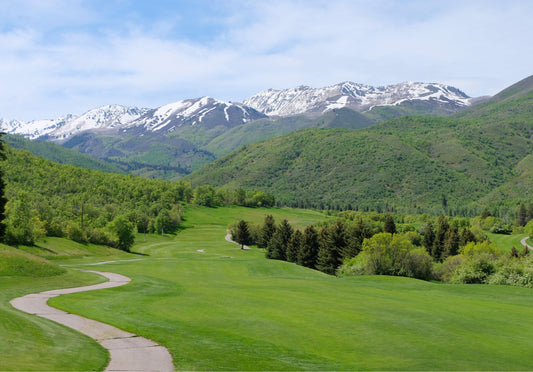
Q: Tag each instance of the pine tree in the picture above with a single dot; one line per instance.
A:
(242, 234)
(277, 246)
(429, 238)
(529, 212)
(440, 236)
(390, 226)
(309, 250)
(451, 243)
(485, 214)
(466, 236)
(329, 255)
(267, 231)
(293, 249)
(521, 218)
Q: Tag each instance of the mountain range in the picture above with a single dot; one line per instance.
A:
(175, 139)
(210, 112)
(343, 146)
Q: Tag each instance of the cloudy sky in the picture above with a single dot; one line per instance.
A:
(69, 56)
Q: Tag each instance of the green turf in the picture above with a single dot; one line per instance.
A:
(30, 343)
(506, 242)
(229, 309)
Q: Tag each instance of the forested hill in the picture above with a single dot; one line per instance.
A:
(47, 198)
(412, 163)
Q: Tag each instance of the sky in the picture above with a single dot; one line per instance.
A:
(61, 57)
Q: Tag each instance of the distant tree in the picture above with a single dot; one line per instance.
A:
(331, 241)
(242, 234)
(295, 244)
(451, 243)
(485, 214)
(390, 226)
(309, 250)
(267, 231)
(530, 212)
(3, 199)
(123, 230)
(277, 246)
(429, 237)
(440, 236)
(466, 236)
(21, 226)
(240, 197)
(521, 218)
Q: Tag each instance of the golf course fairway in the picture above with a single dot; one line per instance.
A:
(217, 307)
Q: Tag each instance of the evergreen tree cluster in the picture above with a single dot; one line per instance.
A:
(444, 240)
(322, 249)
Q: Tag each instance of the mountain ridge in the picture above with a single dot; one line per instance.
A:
(287, 102)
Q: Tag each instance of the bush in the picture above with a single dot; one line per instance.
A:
(387, 254)
(475, 269)
(444, 271)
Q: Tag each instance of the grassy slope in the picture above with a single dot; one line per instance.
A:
(30, 343)
(232, 309)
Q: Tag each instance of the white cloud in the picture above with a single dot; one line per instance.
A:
(70, 59)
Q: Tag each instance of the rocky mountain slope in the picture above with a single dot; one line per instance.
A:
(359, 97)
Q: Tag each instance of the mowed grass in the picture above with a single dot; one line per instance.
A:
(506, 242)
(217, 307)
(30, 343)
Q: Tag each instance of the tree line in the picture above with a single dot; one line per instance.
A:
(446, 249)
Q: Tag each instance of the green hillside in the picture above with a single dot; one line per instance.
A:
(60, 154)
(410, 163)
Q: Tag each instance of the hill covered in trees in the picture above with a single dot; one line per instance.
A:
(45, 198)
(461, 164)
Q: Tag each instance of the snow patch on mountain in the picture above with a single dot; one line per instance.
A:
(35, 128)
(315, 101)
(206, 111)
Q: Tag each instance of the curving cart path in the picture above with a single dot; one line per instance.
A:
(128, 352)
(524, 243)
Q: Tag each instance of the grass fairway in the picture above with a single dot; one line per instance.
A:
(228, 309)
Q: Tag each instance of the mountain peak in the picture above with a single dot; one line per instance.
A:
(360, 97)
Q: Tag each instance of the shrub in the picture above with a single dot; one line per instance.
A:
(387, 254)
(475, 269)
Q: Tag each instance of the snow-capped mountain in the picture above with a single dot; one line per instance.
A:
(209, 113)
(206, 112)
(104, 117)
(36, 128)
(108, 116)
(316, 101)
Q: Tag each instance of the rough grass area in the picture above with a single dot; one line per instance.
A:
(17, 262)
(217, 307)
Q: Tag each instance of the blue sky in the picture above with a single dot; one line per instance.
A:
(69, 56)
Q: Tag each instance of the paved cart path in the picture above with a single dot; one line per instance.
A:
(524, 243)
(128, 351)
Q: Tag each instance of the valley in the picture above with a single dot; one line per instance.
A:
(382, 202)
